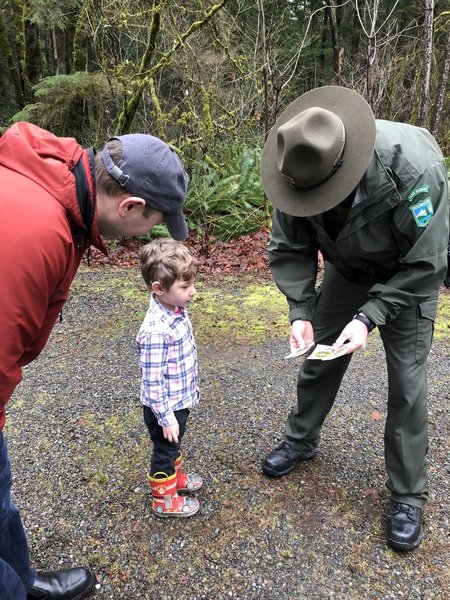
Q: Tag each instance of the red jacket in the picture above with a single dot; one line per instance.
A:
(40, 217)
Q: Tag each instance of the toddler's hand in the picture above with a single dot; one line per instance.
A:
(171, 433)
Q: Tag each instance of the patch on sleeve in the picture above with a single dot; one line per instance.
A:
(423, 189)
(423, 211)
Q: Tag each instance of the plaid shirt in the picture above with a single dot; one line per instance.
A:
(168, 360)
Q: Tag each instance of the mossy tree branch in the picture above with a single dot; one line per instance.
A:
(78, 62)
(128, 113)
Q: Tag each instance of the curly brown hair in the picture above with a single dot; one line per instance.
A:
(166, 260)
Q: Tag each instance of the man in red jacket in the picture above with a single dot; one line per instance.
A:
(57, 199)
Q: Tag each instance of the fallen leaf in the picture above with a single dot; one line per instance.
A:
(371, 493)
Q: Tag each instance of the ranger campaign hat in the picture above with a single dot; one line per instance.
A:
(318, 150)
(150, 169)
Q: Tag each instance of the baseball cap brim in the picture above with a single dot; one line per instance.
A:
(177, 226)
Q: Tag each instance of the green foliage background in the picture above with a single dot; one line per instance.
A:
(211, 76)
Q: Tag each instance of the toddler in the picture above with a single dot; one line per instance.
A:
(168, 361)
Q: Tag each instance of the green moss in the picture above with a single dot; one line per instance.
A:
(126, 283)
(245, 315)
(234, 310)
(237, 310)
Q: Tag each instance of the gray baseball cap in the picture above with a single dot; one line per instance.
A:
(151, 170)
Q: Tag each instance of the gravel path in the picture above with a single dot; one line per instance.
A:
(75, 425)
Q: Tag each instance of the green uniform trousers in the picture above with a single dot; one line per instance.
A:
(407, 341)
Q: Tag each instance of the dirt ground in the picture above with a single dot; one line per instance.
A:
(80, 455)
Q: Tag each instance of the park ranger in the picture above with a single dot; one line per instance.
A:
(372, 197)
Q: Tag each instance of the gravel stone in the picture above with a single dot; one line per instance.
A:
(80, 455)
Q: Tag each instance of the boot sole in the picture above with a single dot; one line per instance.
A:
(273, 473)
(165, 515)
(188, 490)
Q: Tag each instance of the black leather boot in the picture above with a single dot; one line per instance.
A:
(283, 459)
(68, 584)
(404, 526)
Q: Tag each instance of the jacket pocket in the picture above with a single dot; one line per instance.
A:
(426, 315)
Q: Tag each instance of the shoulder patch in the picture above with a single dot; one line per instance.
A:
(422, 212)
(423, 189)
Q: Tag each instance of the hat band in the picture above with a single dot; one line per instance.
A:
(336, 166)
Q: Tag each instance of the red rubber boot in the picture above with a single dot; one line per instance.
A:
(186, 482)
(166, 501)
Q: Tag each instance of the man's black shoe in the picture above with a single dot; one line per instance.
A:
(404, 526)
(68, 584)
(282, 460)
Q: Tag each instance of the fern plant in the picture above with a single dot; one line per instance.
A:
(73, 105)
(226, 200)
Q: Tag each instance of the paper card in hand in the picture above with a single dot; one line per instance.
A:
(322, 352)
(300, 351)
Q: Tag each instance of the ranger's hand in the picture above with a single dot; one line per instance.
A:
(355, 333)
(302, 335)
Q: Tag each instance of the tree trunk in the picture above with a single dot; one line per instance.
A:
(155, 27)
(55, 57)
(323, 44)
(18, 9)
(371, 50)
(337, 50)
(443, 80)
(265, 71)
(79, 62)
(14, 72)
(368, 21)
(32, 52)
(265, 68)
(428, 49)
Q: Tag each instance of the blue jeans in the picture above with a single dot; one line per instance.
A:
(16, 573)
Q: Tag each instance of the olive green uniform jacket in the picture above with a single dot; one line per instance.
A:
(388, 259)
(396, 237)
